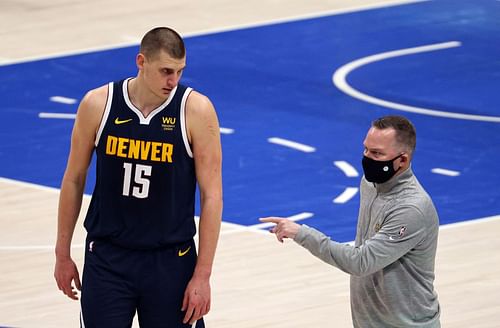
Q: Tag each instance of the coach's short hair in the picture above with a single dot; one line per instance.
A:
(406, 135)
(162, 38)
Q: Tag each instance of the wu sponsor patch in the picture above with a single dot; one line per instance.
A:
(168, 123)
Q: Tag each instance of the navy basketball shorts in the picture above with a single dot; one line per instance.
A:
(118, 281)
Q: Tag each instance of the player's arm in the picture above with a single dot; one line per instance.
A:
(72, 186)
(204, 134)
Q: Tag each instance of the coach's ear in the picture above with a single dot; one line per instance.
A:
(404, 160)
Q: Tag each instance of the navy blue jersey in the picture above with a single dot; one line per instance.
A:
(145, 182)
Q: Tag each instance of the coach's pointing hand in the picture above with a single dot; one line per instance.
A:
(284, 228)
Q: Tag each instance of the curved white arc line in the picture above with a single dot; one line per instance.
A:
(340, 81)
(344, 197)
(318, 14)
(347, 168)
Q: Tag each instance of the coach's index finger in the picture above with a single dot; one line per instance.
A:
(272, 219)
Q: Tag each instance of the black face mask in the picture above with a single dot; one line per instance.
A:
(379, 171)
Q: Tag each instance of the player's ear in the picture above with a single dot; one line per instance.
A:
(139, 60)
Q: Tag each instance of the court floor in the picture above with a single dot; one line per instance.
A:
(308, 91)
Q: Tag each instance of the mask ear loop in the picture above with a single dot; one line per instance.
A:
(395, 158)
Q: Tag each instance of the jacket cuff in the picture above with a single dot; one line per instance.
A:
(301, 235)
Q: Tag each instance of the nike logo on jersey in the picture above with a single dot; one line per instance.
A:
(118, 121)
(182, 253)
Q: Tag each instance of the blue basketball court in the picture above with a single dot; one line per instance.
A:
(292, 137)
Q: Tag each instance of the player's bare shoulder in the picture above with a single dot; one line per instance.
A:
(95, 100)
(198, 103)
(92, 106)
(200, 114)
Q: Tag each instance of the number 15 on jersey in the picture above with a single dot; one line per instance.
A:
(140, 185)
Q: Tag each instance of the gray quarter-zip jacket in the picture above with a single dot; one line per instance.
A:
(392, 261)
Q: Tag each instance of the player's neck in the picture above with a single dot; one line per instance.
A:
(142, 97)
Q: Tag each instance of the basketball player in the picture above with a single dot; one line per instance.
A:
(154, 139)
(392, 262)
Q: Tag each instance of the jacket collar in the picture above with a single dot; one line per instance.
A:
(396, 182)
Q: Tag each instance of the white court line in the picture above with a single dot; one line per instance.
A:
(292, 144)
(381, 4)
(347, 168)
(72, 116)
(234, 227)
(349, 192)
(34, 247)
(226, 130)
(66, 116)
(344, 197)
(258, 227)
(470, 222)
(63, 100)
(29, 185)
(241, 228)
(340, 81)
(296, 217)
(446, 172)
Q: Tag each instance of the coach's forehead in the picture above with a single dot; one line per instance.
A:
(380, 138)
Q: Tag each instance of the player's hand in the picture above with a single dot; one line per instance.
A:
(284, 228)
(196, 301)
(66, 273)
